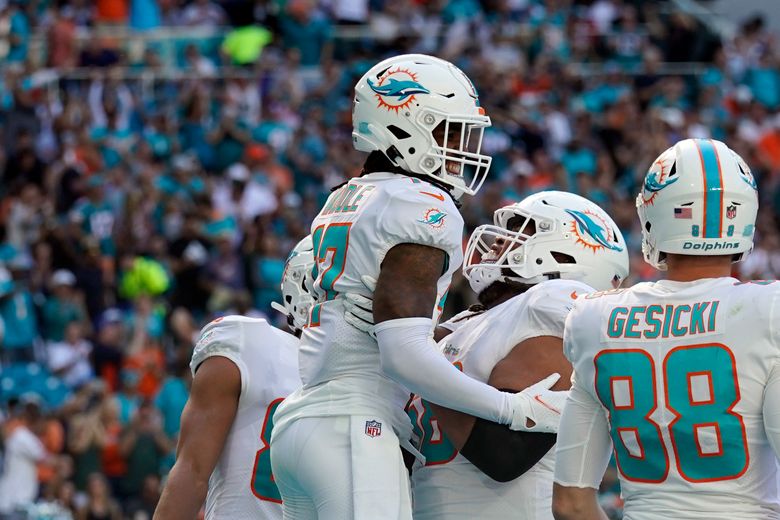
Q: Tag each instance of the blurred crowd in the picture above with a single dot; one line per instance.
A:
(159, 159)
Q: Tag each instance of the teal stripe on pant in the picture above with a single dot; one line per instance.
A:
(713, 189)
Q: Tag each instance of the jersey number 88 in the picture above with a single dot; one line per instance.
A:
(707, 437)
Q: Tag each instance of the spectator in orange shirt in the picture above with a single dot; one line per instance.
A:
(149, 362)
(111, 11)
(52, 435)
(145, 355)
(113, 463)
(769, 147)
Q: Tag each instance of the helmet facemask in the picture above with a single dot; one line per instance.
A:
(548, 235)
(499, 252)
(297, 286)
(454, 156)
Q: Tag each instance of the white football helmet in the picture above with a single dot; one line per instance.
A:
(297, 295)
(548, 235)
(402, 100)
(698, 198)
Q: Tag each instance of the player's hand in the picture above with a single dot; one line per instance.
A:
(359, 309)
(537, 408)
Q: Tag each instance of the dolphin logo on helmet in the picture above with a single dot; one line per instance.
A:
(654, 186)
(586, 224)
(400, 89)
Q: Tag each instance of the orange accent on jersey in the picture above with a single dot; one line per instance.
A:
(434, 195)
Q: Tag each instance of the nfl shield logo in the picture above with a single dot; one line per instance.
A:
(373, 428)
(731, 211)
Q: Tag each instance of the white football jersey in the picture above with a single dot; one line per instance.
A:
(448, 485)
(676, 373)
(241, 485)
(360, 223)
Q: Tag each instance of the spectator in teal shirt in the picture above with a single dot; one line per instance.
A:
(62, 307)
(127, 398)
(764, 82)
(172, 397)
(96, 216)
(20, 327)
(577, 159)
(19, 36)
(307, 31)
(144, 14)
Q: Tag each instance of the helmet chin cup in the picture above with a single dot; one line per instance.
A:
(481, 277)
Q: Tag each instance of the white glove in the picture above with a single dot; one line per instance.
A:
(359, 309)
(540, 406)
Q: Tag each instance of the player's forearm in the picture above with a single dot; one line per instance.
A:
(409, 356)
(576, 504)
(184, 493)
(590, 513)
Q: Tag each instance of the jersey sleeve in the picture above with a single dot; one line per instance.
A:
(774, 314)
(550, 304)
(421, 214)
(771, 410)
(222, 337)
(575, 327)
(583, 448)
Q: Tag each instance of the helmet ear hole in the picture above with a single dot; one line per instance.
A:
(563, 258)
(648, 226)
(399, 133)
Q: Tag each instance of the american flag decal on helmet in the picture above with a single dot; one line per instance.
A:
(686, 213)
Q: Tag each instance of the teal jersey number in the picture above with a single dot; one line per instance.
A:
(707, 416)
(636, 371)
(716, 365)
(262, 484)
(330, 247)
(433, 442)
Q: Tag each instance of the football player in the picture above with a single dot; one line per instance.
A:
(527, 269)
(242, 369)
(335, 445)
(680, 377)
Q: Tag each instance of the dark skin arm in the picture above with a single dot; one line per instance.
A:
(205, 424)
(406, 287)
(529, 362)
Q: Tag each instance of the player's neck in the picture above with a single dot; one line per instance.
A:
(683, 268)
(497, 293)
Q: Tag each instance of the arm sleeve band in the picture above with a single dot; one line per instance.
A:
(409, 356)
(503, 454)
(584, 446)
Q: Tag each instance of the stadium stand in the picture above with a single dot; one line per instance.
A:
(159, 158)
